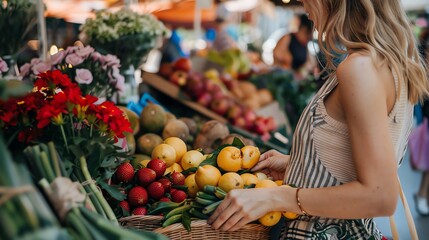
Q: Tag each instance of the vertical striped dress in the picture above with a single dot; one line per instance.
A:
(321, 156)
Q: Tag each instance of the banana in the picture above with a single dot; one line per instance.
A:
(209, 189)
(177, 211)
(196, 213)
(210, 208)
(204, 201)
(207, 196)
(171, 220)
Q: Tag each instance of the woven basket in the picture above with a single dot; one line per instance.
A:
(148, 222)
(201, 230)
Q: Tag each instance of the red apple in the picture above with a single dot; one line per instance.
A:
(165, 69)
(239, 122)
(271, 123)
(194, 87)
(178, 78)
(220, 106)
(205, 99)
(235, 111)
(249, 115)
(183, 64)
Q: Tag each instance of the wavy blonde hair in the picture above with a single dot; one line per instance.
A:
(378, 27)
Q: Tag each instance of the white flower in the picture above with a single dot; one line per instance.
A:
(85, 51)
(57, 58)
(83, 76)
(41, 68)
(25, 69)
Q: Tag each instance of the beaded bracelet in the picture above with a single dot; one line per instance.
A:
(299, 203)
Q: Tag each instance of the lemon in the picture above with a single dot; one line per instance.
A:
(229, 181)
(165, 152)
(250, 155)
(173, 168)
(270, 219)
(266, 183)
(229, 159)
(191, 159)
(178, 144)
(207, 175)
(192, 185)
(249, 179)
(290, 215)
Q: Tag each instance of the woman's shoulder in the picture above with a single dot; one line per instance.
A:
(362, 66)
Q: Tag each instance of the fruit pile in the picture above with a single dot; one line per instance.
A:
(229, 97)
(148, 185)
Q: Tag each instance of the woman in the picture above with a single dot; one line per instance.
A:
(352, 135)
(291, 51)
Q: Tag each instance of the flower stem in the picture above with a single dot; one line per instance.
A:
(90, 131)
(107, 209)
(72, 123)
(64, 138)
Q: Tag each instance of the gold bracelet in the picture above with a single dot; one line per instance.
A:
(299, 203)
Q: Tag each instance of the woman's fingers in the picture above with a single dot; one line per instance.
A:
(240, 224)
(219, 216)
(231, 222)
(261, 165)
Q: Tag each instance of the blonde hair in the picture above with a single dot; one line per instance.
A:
(378, 27)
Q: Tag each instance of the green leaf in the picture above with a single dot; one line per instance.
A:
(186, 221)
(114, 192)
(189, 170)
(237, 143)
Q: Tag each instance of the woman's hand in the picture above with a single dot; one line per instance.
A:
(273, 164)
(240, 207)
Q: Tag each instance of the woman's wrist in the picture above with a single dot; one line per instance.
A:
(284, 199)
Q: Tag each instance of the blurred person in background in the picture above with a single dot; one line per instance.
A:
(291, 51)
(222, 40)
(419, 142)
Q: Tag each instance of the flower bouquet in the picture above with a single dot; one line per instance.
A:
(96, 74)
(124, 33)
(57, 111)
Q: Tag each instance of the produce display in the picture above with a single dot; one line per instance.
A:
(195, 187)
(234, 99)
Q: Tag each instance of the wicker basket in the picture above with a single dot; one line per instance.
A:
(148, 222)
(201, 230)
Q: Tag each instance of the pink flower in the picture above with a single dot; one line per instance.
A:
(85, 51)
(3, 66)
(70, 49)
(41, 68)
(35, 61)
(110, 61)
(74, 59)
(25, 69)
(57, 58)
(120, 83)
(83, 76)
(96, 56)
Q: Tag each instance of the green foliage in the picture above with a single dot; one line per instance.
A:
(17, 20)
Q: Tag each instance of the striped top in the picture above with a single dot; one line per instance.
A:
(321, 156)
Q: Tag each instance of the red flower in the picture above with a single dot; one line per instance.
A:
(110, 114)
(82, 104)
(29, 134)
(49, 113)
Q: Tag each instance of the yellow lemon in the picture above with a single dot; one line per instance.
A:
(250, 155)
(191, 159)
(270, 219)
(178, 144)
(279, 182)
(165, 152)
(229, 159)
(192, 185)
(249, 179)
(173, 168)
(261, 175)
(207, 175)
(266, 183)
(290, 215)
(229, 181)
